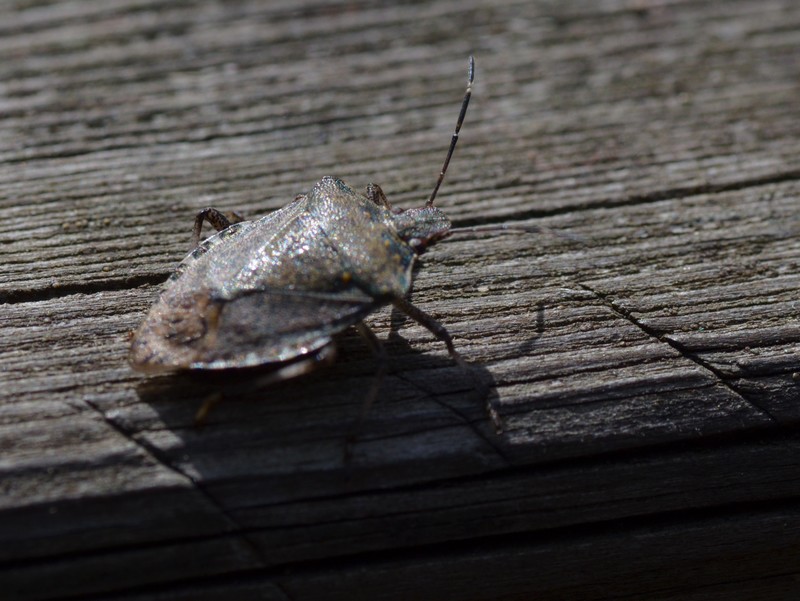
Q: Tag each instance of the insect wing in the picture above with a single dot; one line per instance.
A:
(270, 326)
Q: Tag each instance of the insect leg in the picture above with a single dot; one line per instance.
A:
(433, 326)
(323, 356)
(380, 353)
(376, 195)
(209, 403)
(299, 367)
(380, 373)
(442, 334)
(218, 219)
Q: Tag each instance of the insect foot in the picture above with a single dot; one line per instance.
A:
(274, 291)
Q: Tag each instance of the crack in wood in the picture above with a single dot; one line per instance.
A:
(719, 376)
(462, 417)
(43, 294)
(156, 455)
(677, 192)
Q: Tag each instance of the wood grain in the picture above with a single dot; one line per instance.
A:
(643, 360)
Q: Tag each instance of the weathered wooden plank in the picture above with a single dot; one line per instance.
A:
(692, 553)
(128, 566)
(731, 303)
(280, 457)
(642, 378)
(699, 557)
(589, 376)
(555, 499)
(161, 170)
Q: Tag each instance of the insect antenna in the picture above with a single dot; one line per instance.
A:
(454, 139)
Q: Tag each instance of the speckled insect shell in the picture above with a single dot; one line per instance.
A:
(278, 288)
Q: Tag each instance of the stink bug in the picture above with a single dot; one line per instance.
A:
(274, 291)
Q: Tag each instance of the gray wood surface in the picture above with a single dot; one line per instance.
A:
(647, 380)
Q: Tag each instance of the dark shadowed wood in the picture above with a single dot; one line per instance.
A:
(645, 367)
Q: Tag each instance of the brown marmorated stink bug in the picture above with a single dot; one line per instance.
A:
(274, 291)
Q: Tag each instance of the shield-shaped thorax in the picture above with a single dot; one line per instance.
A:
(330, 240)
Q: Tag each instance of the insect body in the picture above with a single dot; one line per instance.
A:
(275, 290)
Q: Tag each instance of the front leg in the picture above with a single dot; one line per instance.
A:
(438, 330)
(376, 195)
(218, 219)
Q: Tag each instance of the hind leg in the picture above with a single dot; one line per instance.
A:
(378, 349)
(216, 218)
(323, 356)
